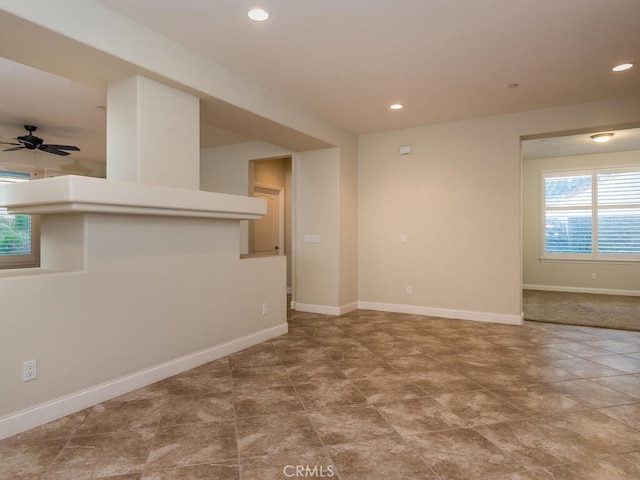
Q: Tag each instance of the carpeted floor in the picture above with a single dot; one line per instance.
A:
(607, 311)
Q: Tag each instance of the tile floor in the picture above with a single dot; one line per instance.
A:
(368, 395)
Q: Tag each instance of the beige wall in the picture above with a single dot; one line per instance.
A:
(457, 198)
(226, 169)
(316, 213)
(324, 203)
(611, 277)
(348, 226)
(149, 126)
(146, 290)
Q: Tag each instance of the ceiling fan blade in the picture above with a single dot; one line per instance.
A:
(13, 149)
(52, 149)
(9, 143)
(63, 147)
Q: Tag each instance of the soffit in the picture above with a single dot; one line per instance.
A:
(446, 61)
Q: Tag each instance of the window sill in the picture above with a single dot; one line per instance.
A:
(589, 261)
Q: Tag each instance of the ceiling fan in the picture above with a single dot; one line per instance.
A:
(31, 142)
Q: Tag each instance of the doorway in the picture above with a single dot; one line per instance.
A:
(580, 249)
(272, 179)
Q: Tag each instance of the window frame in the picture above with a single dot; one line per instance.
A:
(594, 209)
(30, 260)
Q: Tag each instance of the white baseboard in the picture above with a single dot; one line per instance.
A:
(443, 312)
(418, 310)
(321, 309)
(60, 407)
(350, 307)
(601, 291)
(325, 309)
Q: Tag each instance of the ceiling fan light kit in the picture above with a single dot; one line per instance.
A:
(31, 142)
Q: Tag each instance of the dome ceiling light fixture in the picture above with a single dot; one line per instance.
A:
(623, 67)
(602, 137)
(396, 106)
(258, 14)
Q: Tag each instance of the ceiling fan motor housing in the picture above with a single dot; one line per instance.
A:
(30, 141)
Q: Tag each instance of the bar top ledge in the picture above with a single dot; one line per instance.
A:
(78, 194)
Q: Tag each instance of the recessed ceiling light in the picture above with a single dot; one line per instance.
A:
(513, 85)
(623, 66)
(602, 137)
(258, 14)
(396, 106)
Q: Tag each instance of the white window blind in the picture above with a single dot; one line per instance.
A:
(619, 213)
(592, 214)
(18, 245)
(568, 214)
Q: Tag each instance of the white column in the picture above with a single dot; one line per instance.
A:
(153, 134)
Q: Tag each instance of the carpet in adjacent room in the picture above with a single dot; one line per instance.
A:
(587, 309)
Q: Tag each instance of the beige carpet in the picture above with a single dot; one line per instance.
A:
(606, 311)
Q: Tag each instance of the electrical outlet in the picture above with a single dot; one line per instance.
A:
(594, 276)
(265, 308)
(409, 290)
(29, 371)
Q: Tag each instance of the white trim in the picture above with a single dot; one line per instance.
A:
(321, 309)
(601, 291)
(40, 414)
(295, 159)
(349, 307)
(443, 312)
(325, 309)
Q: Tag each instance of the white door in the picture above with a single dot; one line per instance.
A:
(268, 232)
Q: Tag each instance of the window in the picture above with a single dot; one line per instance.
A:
(19, 236)
(592, 214)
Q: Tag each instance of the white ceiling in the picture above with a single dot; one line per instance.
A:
(624, 140)
(348, 60)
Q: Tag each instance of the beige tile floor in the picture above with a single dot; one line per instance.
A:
(367, 395)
